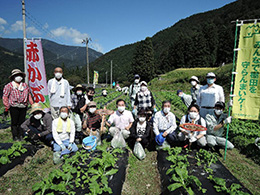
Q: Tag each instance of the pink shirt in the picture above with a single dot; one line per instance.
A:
(121, 121)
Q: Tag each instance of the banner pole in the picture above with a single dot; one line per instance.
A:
(231, 87)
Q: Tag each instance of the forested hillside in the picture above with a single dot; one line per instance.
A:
(202, 40)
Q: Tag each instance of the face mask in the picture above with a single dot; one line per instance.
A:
(18, 79)
(79, 92)
(181, 95)
(137, 80)
(143, 88)
(193, 115)
(210, 81)
(193, 83)
(141, 119)
(63, 115)
(58, 75)
(218, 112)
(37, 116)
(166, 110)
(121, 108)
(92, 110)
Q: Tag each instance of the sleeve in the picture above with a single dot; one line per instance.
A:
(72, 131)
(6, 93)
(152, 99)
(136, 100)
(183, 119)
(111, 119)
(68, 96)
(130, 90)
(198, 98)
(203, 123)
(156, 124)
(147, 131)
(221, 94)
(131, 118)
(173, 125)
(30, 98)
(55, 133)
(49, 88)
(48, 124)
(25, 125)
(209, 123)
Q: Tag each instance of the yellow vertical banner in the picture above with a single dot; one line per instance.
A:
(247, 80)
(96, 75)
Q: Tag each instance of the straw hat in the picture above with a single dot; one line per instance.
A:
(92, 104)
(16, 72)
(78, 86)
(36, 107)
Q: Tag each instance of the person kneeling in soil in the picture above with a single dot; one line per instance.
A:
(63, 131)
(38, 126)
(140, 130)
(194, 118)
(164, 125)
(122, 119)
(92, 122)
(216, 120)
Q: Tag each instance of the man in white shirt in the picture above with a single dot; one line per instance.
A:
(63, 131)
(209, 94)
(165, 122)
(59, 92)
(122, 119)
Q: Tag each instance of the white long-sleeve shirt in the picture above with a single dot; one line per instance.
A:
(164, 122)
(208, 96)
(59, 137)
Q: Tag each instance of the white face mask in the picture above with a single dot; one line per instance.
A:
(63, 115)
(121, 108)
(218, 112)
(193, 83)
(141, 119)
(58, 75)
(143, 88)
(37, 116)
(92, 110)
(181, 95)
(166, 110)
(18, 79)
(193, 115)
(79, 92)
(137, 80)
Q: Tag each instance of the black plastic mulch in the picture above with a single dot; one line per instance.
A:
(219, 170)
(116, 181)
(31, 150)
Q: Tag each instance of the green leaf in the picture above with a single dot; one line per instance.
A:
(16, 154)
(174, 186)
(23, 150)
(235, 187)
(189, 190)
(4, 160)
(111, 172)
(37, 186)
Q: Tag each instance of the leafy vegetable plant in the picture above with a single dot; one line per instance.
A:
(15, 151)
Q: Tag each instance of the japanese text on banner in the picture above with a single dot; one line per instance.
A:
(247, 87)
(36, 73)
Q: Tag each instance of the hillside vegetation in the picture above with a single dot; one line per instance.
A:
(201, 40)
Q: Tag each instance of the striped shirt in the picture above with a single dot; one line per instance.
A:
(93, 121)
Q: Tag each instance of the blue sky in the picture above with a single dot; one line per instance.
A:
(109, 23)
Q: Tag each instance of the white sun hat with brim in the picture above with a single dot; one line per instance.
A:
(211, 75)
(143, 83)
(194, 78)
(16, 72)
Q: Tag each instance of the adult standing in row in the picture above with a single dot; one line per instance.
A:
(194, 81)
(133, 89)
(15, 98)
(59, 92)
(209, 94)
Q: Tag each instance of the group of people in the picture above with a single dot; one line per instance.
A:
(74, 116)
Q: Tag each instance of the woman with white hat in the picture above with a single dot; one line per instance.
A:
(15, 98)
(194, 81)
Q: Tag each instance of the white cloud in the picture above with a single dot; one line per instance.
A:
(97, 47)
(70, 33)
(18, 25)
(2, 23)
(32, 30)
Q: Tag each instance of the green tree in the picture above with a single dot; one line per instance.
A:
(143, 60)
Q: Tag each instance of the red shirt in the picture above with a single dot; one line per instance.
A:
(13, 96)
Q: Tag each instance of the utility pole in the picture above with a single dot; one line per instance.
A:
(87, 41)
(106, 78)
(111, 73)
(24, 38)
